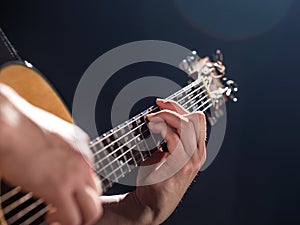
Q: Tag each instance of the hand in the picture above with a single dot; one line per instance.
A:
(40, 153)
(185, 134)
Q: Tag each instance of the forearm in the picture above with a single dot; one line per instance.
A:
(10, 122)
(5, 107)
(125, 210)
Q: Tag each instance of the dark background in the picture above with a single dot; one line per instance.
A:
(255, 177)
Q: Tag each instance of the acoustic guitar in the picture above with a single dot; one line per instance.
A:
(123, 148)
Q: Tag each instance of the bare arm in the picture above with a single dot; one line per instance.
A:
(38, 152)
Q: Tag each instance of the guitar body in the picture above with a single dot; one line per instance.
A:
(31, 85)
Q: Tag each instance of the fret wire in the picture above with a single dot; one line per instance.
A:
(155, 107)
(125, 125)
(124, 153)
(138, 148)
(119, 149)
(112, 168)
(116, 140)
(10, 193)
(22, 213)
(17, 203)
(111, 173)
(125, 157)
(147, 146)
(154, 141)
(119, 138)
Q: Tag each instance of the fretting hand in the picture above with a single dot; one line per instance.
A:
(185, 134)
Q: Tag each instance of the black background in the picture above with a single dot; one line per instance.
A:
(255, 177)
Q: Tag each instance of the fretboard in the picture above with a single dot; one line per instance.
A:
(123, 148)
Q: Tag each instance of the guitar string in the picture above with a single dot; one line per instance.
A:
(206, 108)
(10, 193)
(37, 215)
(187, 88)
(128, 133)
(16, 203)
(15, 190)
(115, 141)
(131, 131)
(203, 104)
(25, 211)
(2, 218)
(127, 151)
(131, 148)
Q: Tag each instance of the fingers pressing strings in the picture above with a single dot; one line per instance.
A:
(181, 124)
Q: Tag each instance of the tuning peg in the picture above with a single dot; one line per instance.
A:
(218, 56)
(184, 65)
(233, 85)
(233, 98)
(231, 89)
(188, 64)
(193, 57)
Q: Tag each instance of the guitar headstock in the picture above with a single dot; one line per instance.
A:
(211, 73)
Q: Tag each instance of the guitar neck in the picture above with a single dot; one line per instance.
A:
(123, 148)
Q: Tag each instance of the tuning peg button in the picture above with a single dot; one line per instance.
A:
(232, 85)
(218, 56)
(233, 98)
(184, 65)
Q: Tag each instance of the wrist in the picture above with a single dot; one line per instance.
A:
(125, 210)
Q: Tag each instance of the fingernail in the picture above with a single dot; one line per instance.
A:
(150, 116)
(185, 119)
(160, 100)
